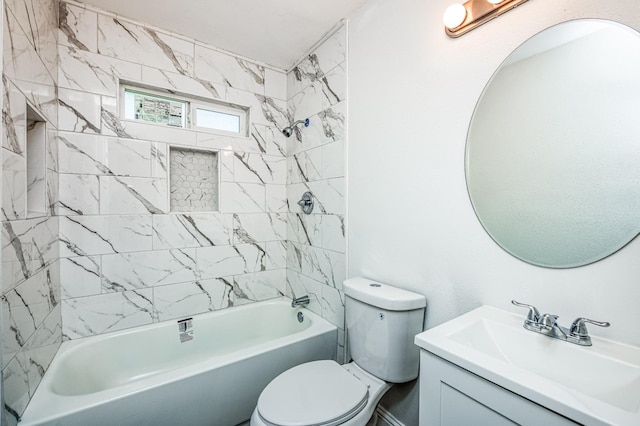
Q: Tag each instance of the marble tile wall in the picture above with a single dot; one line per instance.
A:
(108, 253)
(125, 258)
(316, 89)
(31, 310)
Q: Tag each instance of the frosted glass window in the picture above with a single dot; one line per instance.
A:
(155, 109)
(218, 120)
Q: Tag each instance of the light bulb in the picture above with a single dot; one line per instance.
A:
(454, 15)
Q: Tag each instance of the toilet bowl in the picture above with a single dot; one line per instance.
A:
(320, 393)
(381, 322)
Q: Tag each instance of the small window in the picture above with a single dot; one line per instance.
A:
(155, 108)
(218, 120)
(179, 110)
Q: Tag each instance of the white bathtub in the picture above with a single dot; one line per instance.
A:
(145, 376)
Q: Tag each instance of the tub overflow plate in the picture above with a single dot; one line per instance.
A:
(185, 329)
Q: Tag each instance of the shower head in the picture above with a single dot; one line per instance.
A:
(288, 131)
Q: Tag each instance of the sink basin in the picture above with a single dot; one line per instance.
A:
(599, 384)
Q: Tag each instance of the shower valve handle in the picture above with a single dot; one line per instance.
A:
(306, 202)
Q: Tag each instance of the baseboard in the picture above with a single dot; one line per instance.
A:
(385, 418)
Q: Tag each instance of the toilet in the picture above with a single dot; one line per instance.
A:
(381, 322)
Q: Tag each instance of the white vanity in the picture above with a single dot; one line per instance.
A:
(484, 368)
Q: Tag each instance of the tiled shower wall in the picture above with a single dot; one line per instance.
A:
(316, 89)
(31, 321)
(125, 259)
(108, 254)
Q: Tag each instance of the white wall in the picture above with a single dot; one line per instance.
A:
(412, 91)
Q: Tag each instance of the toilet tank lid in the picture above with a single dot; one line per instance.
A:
(383, 295)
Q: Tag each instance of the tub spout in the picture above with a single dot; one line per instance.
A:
(300, 301)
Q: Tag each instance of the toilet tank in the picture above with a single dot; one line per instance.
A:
(381, 323)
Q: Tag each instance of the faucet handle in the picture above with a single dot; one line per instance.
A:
(579, 326)
(533, 315)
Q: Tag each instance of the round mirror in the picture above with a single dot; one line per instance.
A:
(553, 150)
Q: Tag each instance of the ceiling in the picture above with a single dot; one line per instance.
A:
(274, 32)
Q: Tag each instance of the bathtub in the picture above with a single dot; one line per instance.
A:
(146, 376)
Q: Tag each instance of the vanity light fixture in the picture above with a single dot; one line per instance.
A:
(454, 16)
(460, 18)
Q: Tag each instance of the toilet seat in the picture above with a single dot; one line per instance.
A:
(319, 393)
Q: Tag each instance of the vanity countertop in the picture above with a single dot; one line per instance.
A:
(597, 384)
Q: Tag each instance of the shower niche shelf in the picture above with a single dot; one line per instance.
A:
(36, 164)
(193, 180)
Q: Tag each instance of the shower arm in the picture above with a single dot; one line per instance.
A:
(288, 131)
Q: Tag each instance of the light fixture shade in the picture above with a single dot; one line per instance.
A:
(454, 15)
(459, 19)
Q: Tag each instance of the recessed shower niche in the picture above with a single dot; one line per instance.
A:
(36, 164)
(193, 180)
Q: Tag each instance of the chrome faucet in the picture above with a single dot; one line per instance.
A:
(300, 301)
(547, 324)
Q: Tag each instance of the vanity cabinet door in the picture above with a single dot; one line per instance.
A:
(453, 396)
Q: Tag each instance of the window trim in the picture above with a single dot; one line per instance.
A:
(192, 104)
